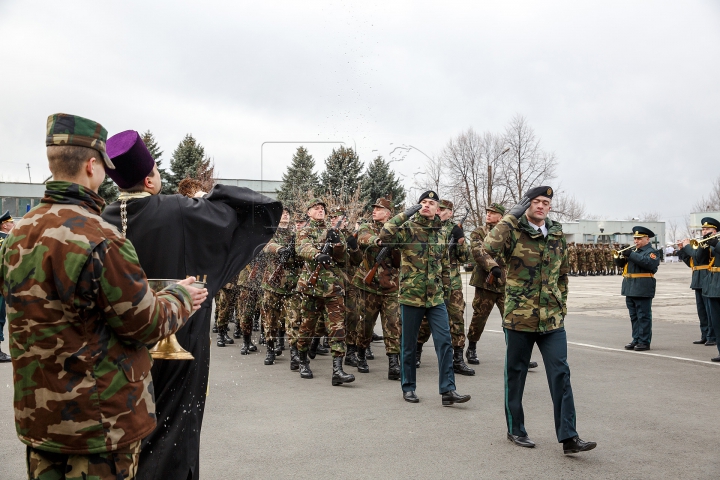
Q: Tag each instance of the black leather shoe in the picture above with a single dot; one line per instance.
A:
(351, 356)
(339, 376)
(715, 359)
(471, 355)
(228, 340)
(410, 397)
(452, 397)
(710, 343)
(700, 342)
(305, 371)
(641, 347)
(323, 348)
(252, 347)
(362, 364)
(521, 441)
(532, 365)
(294, 359)
(575, 445)
(630, 346)
(4, 357)
(221, 337)
(237, 333)
(270, 355)
(369, 353)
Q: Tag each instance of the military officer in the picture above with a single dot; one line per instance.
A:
(379, 295)
(533, 248)
(639, 266)
(424, 275)
(6, 225)
(711, 287)
(323, 288)
(700, 261)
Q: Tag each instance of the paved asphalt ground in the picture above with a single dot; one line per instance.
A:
(654, 415)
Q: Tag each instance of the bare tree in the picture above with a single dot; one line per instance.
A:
(462, 161)
(566, 208)
(672, 231)
(431, 178)
(712, 201)
(650, 216)
(528, 164)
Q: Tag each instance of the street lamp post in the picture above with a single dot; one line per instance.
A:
(490, 182)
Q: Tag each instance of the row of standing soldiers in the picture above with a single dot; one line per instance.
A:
(311, 281)
(592, 259)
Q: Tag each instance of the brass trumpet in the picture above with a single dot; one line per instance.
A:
(695, 243)
(616, 253)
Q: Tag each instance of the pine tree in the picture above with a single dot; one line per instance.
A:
(186, 159)
(343, 173)
(380, 181)
(108, 191)
(298, 180)
(149, 139)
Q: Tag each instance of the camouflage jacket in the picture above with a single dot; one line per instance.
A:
(285, 282)
(572, 254)
(251, 276)
(484, 262)
(457, 256)
(645, 260)
(387, 277)
(81, 314)
(424, 268)
(537, 273)
(331, 280)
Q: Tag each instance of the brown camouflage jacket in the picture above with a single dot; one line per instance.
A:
(537, 273)
(281, 277)
(457, 256)
(484, 262)
(331, 280)
(81, 314)
(387, 278)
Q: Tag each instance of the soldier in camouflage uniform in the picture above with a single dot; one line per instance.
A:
(225, 306)
(582, 260)
(599, 260)
(591, 266)
(534, 249)
(247, 300)
(326, 296)
(573, 259)
(609, 263)
(294, 318)
(82, 314)
(458, 254)
(380, 296)
(424, 277)
(278, 286)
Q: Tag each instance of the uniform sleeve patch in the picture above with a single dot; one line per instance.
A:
(653, 256)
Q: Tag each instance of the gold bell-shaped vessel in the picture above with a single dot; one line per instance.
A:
(169, 348)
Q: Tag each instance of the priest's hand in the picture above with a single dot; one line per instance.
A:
(198, 295)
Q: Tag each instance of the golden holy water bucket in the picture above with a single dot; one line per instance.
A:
(169, 348)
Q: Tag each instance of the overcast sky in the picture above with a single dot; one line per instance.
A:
(625, 93)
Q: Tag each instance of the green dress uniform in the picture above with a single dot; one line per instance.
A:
(700, 261)
(638, 288)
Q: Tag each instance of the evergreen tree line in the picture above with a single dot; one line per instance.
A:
(341, 178)
(188, 160)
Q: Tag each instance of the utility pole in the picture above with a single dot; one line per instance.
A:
(29, 177)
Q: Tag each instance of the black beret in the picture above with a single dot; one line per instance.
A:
(639, 232)
(542, 191)
(429, 194)
(709, 222)
(5, 216)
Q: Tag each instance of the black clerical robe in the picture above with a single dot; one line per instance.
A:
(211, 238)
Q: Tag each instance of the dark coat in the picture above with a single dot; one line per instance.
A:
(643, 260)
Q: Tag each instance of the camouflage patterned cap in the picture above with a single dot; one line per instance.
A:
(64, 129)
(447, 204)
(300, 217)
(338, 211)
(497, 208)
(314, 201)
(383, 202)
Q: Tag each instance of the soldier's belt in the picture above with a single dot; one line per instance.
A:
(703, 267)
(715, 269)
(638, 275)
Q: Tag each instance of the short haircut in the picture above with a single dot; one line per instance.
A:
(140, 186)
(67, 161)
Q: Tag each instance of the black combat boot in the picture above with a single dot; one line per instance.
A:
(305, 371)
(377, 338)
(323, 347)
(351, 356)
(4, 357)
(221, 337)
(237, 333)
(281, 341)
(339, 376)
(245, 349)
(369, 354)
(459, 365)
(362, 365)
(261, 340)
(253, 347)
(270, 355)
(471, 354)
(228, 339)
(215, 329)
(294, 359)
(276, 343)
(325, 343)
(418, 354)
(393, 366)
(314, 344)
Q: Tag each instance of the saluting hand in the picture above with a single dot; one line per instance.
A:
(520, 208)
(198, 295)
(412, 210)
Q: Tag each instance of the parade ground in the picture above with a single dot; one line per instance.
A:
(653, 414)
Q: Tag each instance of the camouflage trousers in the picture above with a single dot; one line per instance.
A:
(119, 465)
(225, 305)
(352, 314)
(610, 267)
(483, 303)
(247, 304)
(388, 307)
(293, 319)
(455, 304)
(573, 267)
(582, 267)
(273, 311)
(313, 309)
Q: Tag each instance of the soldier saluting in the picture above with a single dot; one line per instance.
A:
(535, 252)
(639, 266)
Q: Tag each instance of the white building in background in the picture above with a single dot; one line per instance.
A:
(610, 231)
(266, 187)
(696, 220)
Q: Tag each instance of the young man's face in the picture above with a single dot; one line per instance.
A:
(492, 218)
(285, 218)
(445, 213)
(316, 212)
(380, 214)
(539, 209)
(299, 225)
(641, 241)
(429, 208)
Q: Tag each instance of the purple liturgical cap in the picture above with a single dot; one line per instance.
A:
(131, 157)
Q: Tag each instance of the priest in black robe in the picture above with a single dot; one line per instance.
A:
(211, 238)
